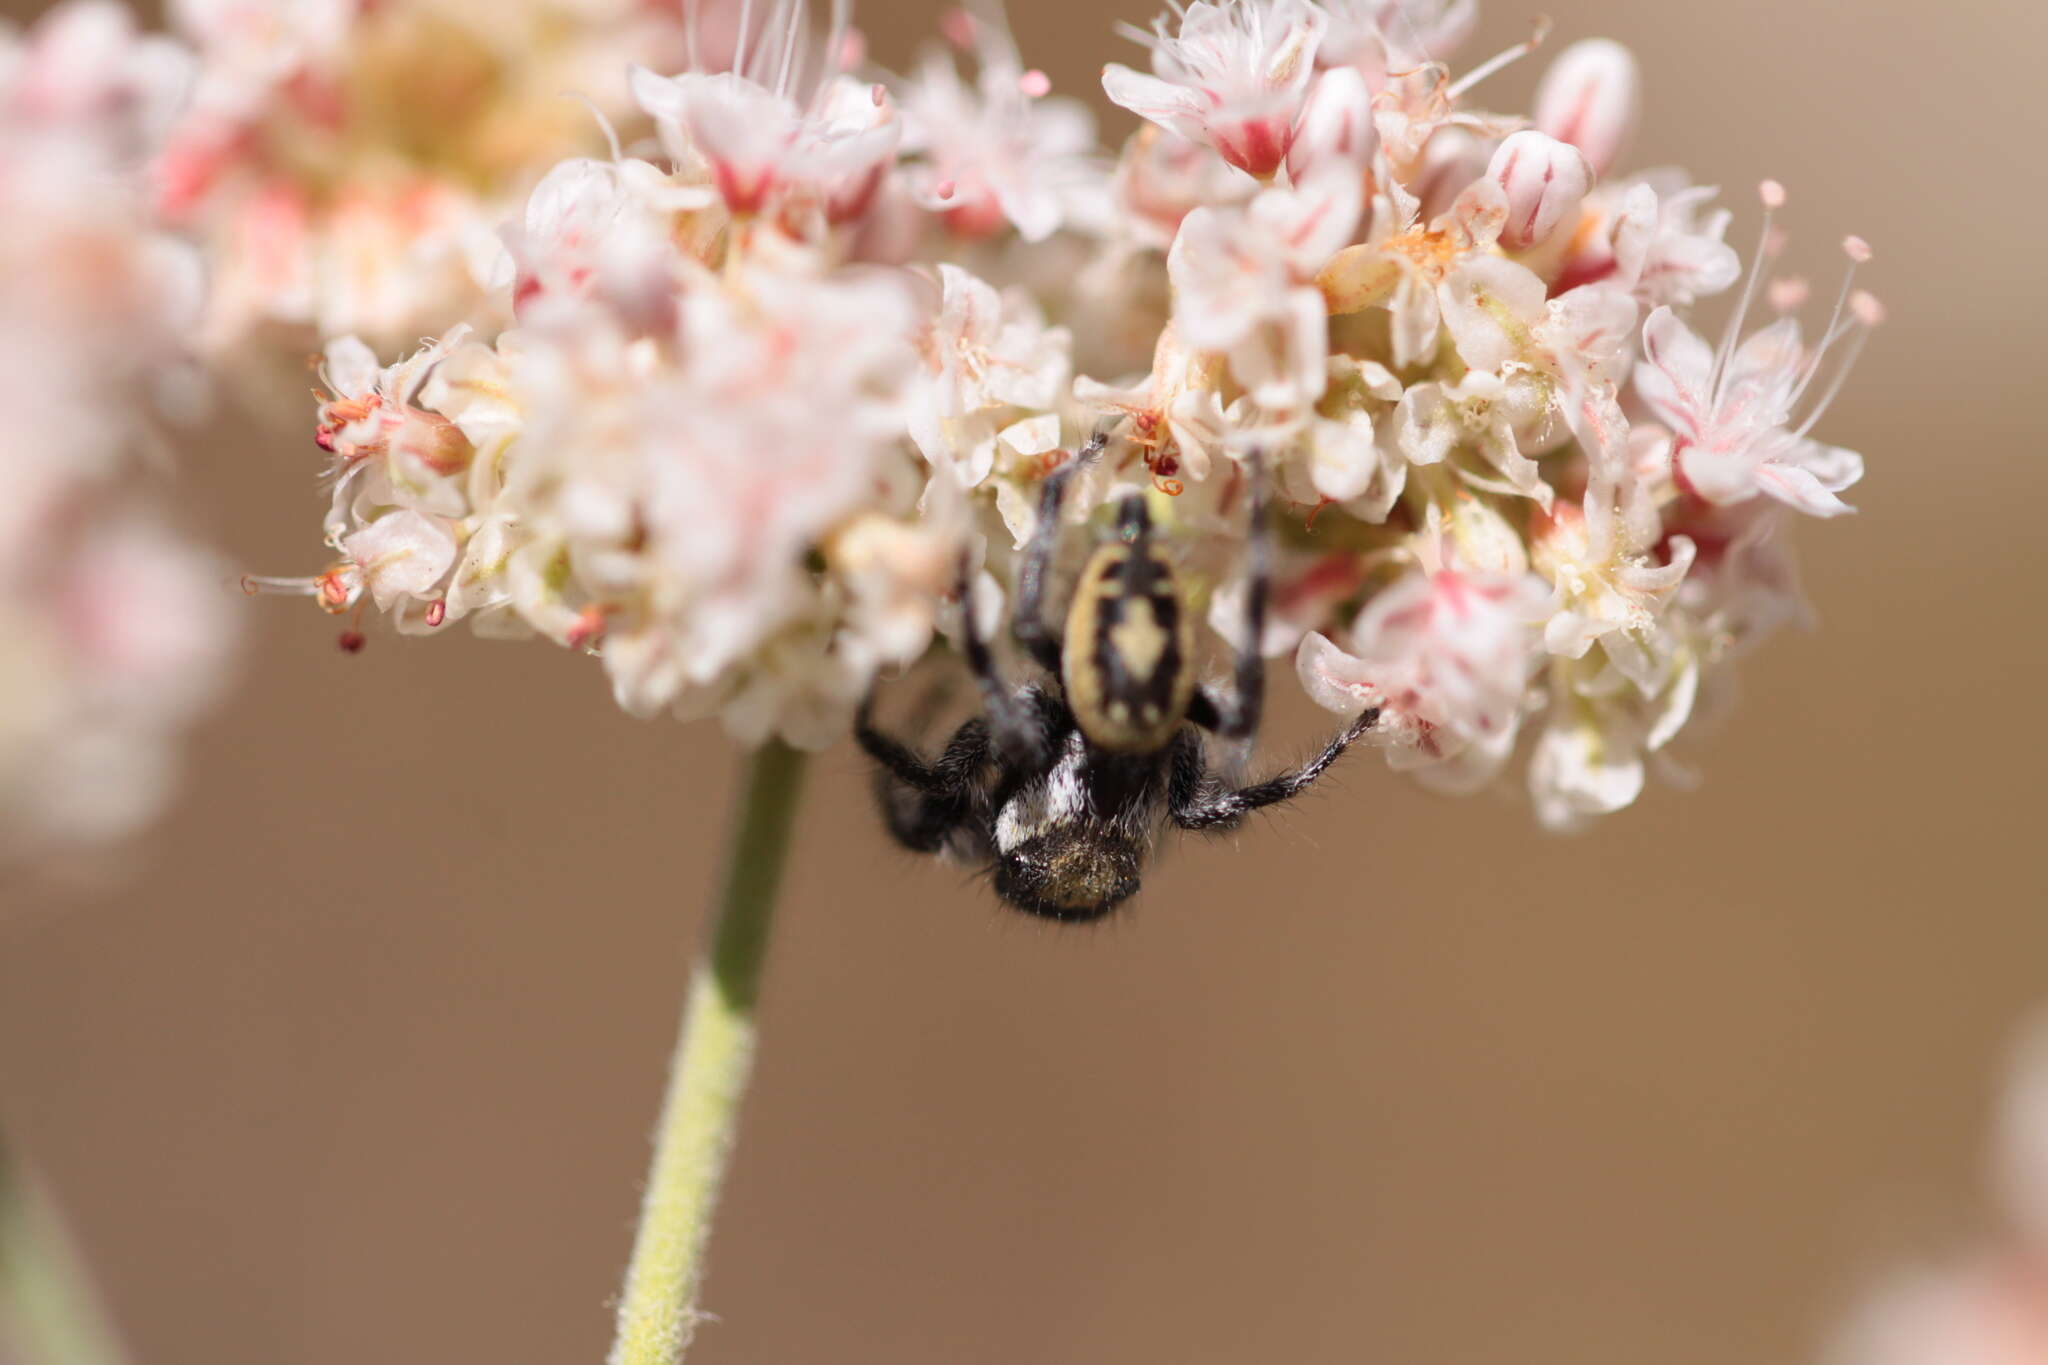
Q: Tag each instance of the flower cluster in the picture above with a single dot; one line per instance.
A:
(767, 390)
(347, 163)
(115, 626)
(1993, 1308)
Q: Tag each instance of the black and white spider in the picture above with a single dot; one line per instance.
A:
(1063, 787)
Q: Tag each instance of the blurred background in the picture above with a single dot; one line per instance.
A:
(359, 1065)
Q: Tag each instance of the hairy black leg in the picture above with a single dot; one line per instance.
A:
(1196, 802)
(965, 752)
(1236, 716)
(1040, 637)
(1015, 723)
(944, 790)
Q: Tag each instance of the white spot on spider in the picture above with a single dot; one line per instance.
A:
(1058, 799)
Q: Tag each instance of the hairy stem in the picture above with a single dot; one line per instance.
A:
(49, 1314)
(708, 1077)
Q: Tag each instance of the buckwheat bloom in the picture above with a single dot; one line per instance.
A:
(1352, 455)
(1002, 149)
(1601, 734)
(600, 228)
(1572, 351)
(116, 626)
(1376, 37)
(759, 417)
(1662, 251)
(347, 164)
(784, 134)
(996, 375)
(1446, 654)
(1734, 409)
(1162, 177)
(1590, 97)
(1544, 180)
(1337, 133)
(1231, 75)
(1244, 284)
(1991, 1308)
(1176, 415)
(1403, 264)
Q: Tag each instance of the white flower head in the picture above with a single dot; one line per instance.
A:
(740, 424)
(117, 631)
(1232, 75)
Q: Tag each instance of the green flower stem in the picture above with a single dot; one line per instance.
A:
(708, 1078)
(48, 1312)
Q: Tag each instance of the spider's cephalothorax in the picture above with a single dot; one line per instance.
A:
(1062, 786)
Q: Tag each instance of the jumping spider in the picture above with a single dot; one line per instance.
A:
(1062, 787)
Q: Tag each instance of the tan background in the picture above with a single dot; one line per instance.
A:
(361, 1066)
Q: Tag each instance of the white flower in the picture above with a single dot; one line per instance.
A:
(1544, 180)
(389, 450)
(1592, 753)
(1336, 134)
(734, 423)
(995, 373)
(1483, 412)
(1575, 345)
(1244, 285)
(803, 146)
(1733, 415)
(605, 229)
(1349, 456)
(116, 630)
(347, 165)
(1379, 36)
(1162, 177)
(2022, 1147)
(1176, 414)
(1444, 653)
(401, 555)
(1660, 250)
(1990, 1308)
(1732, 410)
(1403, 264)
(1233, 77)
(1501, 315)
(998, 150)
(668, 512)
(1610, 589)
(1590, 97)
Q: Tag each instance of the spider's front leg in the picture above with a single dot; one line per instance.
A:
(1196, 800)
(944, 791)
(1236, 715)
(1016, 723)
(1038, 636)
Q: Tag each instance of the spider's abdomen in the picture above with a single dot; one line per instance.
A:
(1128, 660)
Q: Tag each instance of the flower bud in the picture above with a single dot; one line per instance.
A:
(1545, 181)
(1589, 98)
(1453, 158)
(1335, 126)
